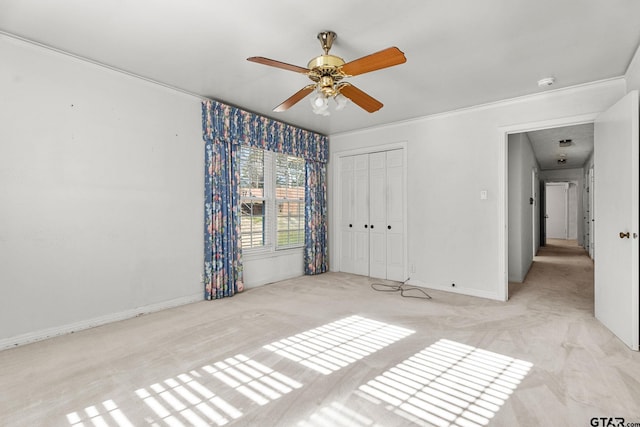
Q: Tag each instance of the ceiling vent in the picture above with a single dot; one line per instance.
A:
(565, 142)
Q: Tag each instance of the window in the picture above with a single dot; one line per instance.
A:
(272, 200)
(290, 200)
(252, 197)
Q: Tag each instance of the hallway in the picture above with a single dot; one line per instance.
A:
(561, 275)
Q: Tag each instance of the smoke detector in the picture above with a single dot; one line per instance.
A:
(547, 81)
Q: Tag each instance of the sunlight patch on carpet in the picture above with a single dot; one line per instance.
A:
(335, 345)
(448, 384)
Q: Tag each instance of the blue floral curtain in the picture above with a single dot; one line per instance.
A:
(315, 215)
(223, 254)
(224, 129)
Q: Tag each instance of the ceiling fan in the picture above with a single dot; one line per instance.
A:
(328, 71)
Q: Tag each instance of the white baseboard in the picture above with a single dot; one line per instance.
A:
(31, 337)
(456, 290)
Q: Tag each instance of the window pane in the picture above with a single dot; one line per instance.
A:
(251, 172)
(252, 224)
(290, 224)
(252, 214)
(289, 177)
(290, 200)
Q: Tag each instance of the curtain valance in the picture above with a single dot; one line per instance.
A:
(237, 126)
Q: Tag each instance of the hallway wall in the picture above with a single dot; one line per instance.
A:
(521, 213)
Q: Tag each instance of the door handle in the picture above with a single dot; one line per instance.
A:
(350, 225)
(372, 226)
(624, 235)
(366, 226)
(388, 227)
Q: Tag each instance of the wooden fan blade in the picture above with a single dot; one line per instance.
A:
(294, 99)
(376, 61)
(278, 64)
(360, 98)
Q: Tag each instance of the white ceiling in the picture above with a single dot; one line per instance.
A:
(546, 147)
(459, 53)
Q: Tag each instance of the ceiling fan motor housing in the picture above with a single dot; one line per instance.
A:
(326, 71)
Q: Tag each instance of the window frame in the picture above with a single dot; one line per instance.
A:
(270, 245)
(284, 200)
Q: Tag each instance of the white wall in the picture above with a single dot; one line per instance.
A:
(101, 189)
(521, 216)
(632, 75)
(454, 236)
(279, 265)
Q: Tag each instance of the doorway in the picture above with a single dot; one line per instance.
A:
(546, 169)
(616, 174)
(557, 212)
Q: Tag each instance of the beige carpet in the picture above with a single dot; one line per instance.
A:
(330, 351)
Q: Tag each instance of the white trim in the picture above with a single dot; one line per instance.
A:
(503, 179)
(456, 290)
(336, 199)
(43, 334)
(369, 149)
(102, 65)
(481, 107)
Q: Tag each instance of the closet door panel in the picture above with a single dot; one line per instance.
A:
(395, 257)
(361, 253)
(346, 215)
(394, 226)
(377, 215)
(361, 214)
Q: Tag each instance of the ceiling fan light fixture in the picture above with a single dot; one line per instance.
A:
(341, 101)
(319, 103)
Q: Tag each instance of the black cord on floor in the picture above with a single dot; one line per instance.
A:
(402, 288)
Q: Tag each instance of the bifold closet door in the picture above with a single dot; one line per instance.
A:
(372, 215)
